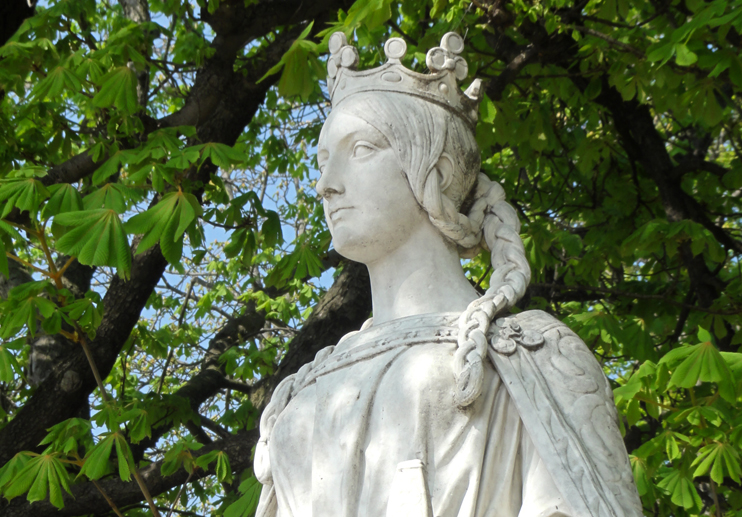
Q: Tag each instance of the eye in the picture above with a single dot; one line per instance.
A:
(322, 157)
(362, 149)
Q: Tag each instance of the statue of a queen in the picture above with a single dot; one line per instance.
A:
(444, 404)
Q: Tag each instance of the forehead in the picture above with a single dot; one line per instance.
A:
(342, 124)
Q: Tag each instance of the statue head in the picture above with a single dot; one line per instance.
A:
(427, 121)
(418, 137)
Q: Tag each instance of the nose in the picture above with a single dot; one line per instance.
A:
(330, 182)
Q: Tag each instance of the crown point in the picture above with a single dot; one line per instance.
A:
(436, 59)
(453, 42)
(474, 91)
(395, 48)
(462, 69)
(337, 41)
(349, 57)
(332, 68)
(440, 87)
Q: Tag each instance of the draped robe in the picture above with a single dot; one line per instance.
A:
(335, 433)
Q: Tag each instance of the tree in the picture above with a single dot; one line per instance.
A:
(161, 245)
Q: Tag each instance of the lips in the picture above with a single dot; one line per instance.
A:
(335, 211)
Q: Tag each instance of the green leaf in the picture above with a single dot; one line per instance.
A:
(95, 237)
(292, 48)
(271, 230)
(9, 471)
(166, 222)
(109, 167)
(4, 268)
(119, 89)
(87, 311)
(124, 457)
(57, 80)
(297, 78)
(639, 468)
(223, 469)
(64, 198)
(111, 196)
(41, 475)
(65, 435)
(705, 364)
(681, 490)
(180, 456)
(661, 53)
(248, 503)
(487, 110)
(369, 13)
(8, 364)
(683, 56)
(96, 462)
(26, 305)
(23, 193)
(720, 458)
(221, 155)
(300, 65)
(704, 336)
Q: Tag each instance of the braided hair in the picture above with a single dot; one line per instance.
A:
(421, 133)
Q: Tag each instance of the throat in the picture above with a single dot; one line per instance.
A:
(419, 281)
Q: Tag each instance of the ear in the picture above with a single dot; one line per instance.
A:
(445, 170)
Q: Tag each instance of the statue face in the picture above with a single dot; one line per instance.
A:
(368, 204)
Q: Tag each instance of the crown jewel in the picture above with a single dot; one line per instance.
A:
(440, 86)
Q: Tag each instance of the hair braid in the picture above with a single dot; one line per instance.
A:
(498, 227)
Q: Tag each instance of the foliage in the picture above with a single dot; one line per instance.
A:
(158, 223)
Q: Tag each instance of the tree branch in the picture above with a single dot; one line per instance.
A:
(124, 300)
(87, 500)
(639, 296)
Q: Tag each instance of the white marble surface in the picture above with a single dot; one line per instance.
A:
(444, 404)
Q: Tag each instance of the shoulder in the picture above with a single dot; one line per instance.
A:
(557, 336)
(555, 379)
(563, 359)
(539, 321)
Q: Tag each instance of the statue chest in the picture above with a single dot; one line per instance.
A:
(335, 447)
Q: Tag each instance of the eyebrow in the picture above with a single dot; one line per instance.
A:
(351, 135)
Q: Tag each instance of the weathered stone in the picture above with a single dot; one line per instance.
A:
(443, 404)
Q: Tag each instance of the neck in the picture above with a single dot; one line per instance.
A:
(422, 276)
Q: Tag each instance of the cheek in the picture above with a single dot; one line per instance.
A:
(398, 197)
(395, 213)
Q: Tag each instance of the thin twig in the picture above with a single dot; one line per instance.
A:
(145, 491)
(27, 264)
(104, 395)
(716, 497)
(180, 323)
(84, 344)
(484, 275)
(66, 265)
(177, 497)
(592, 32)
(406, 36)
(108, 499)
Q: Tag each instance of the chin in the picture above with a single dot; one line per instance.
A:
(356, 248)
(356, 252)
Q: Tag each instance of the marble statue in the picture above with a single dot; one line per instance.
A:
(445, 404)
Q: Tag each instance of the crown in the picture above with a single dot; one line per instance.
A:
(440, 86)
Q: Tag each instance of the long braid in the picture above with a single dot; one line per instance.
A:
(510, 277)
